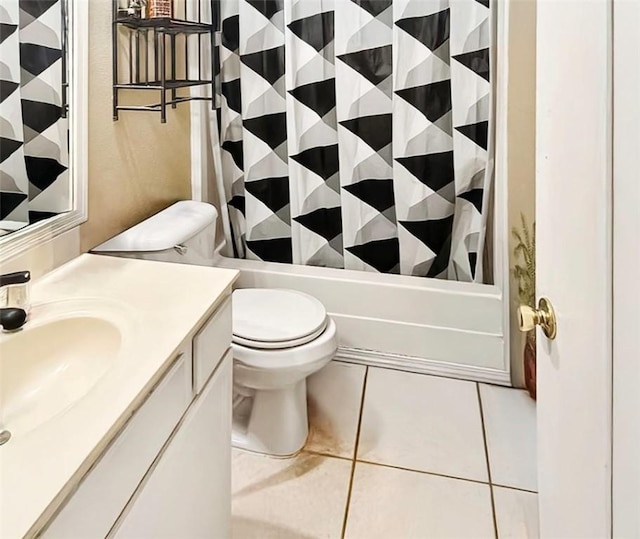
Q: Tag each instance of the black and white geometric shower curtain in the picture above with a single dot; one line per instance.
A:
(34, 151)
(356, 133)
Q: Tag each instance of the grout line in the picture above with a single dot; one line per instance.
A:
(329, 455)
(519, 489)
(361, 411)
(423, 472)
(355, 454)
(486, 454)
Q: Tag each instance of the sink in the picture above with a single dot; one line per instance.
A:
(51, 364)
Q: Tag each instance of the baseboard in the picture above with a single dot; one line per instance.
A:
(420, 365)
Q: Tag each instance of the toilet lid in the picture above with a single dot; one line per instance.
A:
(275, 318)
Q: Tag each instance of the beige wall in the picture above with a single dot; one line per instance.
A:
(522, 133)
(137, 166)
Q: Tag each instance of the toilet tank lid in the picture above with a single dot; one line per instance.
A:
(172, 226)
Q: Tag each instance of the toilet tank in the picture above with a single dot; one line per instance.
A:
(184, 233)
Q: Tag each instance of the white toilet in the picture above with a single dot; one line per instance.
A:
(280, 337)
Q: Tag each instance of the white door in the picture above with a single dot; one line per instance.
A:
(626, 269)
(574, 266)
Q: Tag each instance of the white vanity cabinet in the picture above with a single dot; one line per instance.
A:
(168, 472)
(188, 493)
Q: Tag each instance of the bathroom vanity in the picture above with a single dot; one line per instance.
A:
(133, 445)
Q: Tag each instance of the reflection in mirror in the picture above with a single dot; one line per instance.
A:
(34, 125)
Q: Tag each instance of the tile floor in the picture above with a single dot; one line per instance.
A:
(395, 455)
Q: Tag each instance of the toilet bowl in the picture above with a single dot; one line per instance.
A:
(280, 337)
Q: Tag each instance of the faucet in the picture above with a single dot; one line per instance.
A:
(15, 278)
(14, 299)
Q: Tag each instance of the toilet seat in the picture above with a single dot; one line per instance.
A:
(266, 363)
(269, 319)
(259, 345)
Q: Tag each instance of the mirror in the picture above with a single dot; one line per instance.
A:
(34, 180)
(41, 118)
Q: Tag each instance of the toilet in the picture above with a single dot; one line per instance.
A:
(280, 337)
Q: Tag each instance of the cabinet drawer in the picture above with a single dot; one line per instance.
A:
(210, 344)
(101, 496)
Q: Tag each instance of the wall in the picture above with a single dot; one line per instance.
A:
(521, 134)
(137, 166)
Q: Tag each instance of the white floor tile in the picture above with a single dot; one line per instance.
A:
(516, 513)
(423, 423)
(302, 497)
(334, 397)
(390, 503)
(510, 423)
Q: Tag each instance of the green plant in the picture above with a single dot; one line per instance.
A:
(525, 268)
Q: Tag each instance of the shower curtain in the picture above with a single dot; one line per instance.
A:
(356, 133)
(34, 160)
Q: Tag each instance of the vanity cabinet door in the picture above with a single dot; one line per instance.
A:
(188, 493)
(95, 506)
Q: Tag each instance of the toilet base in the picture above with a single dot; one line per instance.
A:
(273, 422)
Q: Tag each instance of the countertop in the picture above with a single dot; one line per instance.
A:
(164, 305)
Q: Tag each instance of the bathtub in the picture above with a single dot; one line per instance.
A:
(428, 326)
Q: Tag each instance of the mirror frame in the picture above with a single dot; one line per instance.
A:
(30, 236)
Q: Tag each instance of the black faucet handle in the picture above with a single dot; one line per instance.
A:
(17, 277)
(12, 318)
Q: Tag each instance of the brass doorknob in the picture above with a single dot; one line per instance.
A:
(544, 316)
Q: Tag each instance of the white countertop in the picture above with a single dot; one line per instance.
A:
(164, 305)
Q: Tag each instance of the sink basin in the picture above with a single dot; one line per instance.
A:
(49, 365)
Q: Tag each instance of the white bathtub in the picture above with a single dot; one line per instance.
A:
(409, 323)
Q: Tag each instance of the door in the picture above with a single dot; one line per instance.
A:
(574, 266)
(626, 272)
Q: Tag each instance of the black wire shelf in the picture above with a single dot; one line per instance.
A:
(157, 85)
(164, 54)
(168, 25)
(155, 107)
